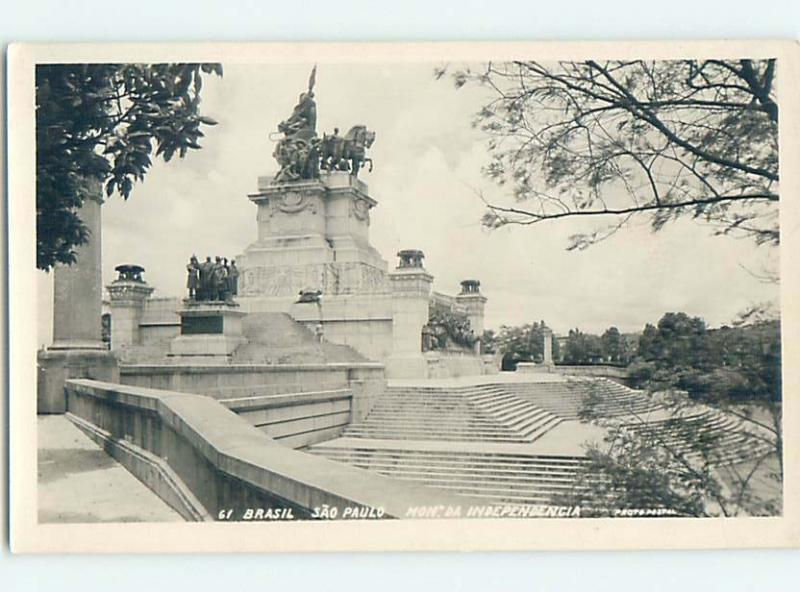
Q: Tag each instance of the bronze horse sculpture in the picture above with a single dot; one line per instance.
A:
(348, 153)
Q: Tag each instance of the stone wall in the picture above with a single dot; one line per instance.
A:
(365, 381)
(160, 321)
(363, 321)
(599, 370)
(297, 420)
(444, 364)
(223, 463)
(604, 371)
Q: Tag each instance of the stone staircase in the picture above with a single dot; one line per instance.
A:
(567, 399)
(497, 477)
(705, 434)
(481, 440)
(482, 413)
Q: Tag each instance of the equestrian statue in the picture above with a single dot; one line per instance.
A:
(301, 153)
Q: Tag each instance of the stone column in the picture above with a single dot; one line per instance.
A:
(547, 347)
(128, 297)
(411, 291)
(77, 294)
(78, 350)
(474, 303)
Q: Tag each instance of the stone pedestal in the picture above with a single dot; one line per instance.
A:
(128, 298)
(56, 366)
(312, 234)
(474, 303)
(78, 350)
(210, 332)
(411, 292)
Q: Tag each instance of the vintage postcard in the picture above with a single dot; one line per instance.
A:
(285, 297)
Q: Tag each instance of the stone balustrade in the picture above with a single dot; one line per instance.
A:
(201, 457)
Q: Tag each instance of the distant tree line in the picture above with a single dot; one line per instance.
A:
(740, 361)
(525, 343)
(611, 347)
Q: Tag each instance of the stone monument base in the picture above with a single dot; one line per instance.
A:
(55, 366)
(411, 366)
(210, 332)
(534, 367)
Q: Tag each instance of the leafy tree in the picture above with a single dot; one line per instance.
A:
(488, 342)
(663, 139)
(101, 124)
(523, 344)
(613, 345)
(730, 364)
(582, 348)
(678, 458)
(677, 465)
(677, 340)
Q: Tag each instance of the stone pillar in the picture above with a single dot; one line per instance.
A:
(474, 303)
(78, 350)
(411, 291)
(78, 291)
(128, 294)
(547, 347)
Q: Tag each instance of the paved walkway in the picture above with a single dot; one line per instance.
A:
(79, 482)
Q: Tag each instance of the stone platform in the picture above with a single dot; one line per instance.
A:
(210, 332)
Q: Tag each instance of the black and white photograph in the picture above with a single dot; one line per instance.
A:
(506, 288)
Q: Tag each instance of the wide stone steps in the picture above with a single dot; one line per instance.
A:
(432, 423)
(514, 480)
(496, 477)
(421, 427)
(477, 413)
(380, 449)
(568, 399)
(474, 474)
(466, 462)
(376, 419)
(517, 411)
(720, 436)
(531, 421)
(734, 448)
(427, 435)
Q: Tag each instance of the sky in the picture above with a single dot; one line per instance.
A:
(427, 182)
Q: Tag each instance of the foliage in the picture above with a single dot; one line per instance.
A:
(489, 342)
(719, 365)
(583, 348)
(675, 467)
(523, 344)
(677, 463)
(100, 124)
(664, 139)
(450, 330)
(613, 346)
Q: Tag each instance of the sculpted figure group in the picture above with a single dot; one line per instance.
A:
(443, 331)
(301, 154)
(212, 280)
